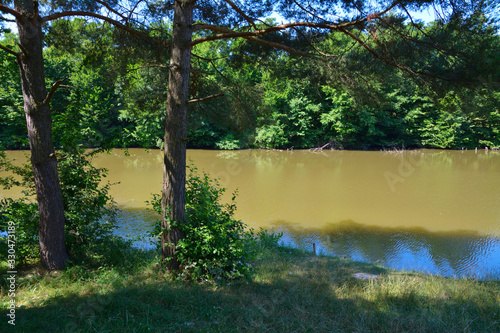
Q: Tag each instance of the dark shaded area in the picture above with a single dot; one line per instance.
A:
(300, 302)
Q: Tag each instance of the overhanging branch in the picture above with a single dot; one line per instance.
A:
(239, 11)
(111, 9)
(227, 33)
(389, 62)
(7, 10)
(279, 46)
(6, 20)
(248, 36)
(117, 24)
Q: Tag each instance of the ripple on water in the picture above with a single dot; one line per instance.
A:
(452, 254)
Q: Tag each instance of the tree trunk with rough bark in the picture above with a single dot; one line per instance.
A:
(174, 161)
(53, 253)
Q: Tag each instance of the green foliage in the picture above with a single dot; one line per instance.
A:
(19, 218)
(13, 133)
(294, 121)
(203, 135)
(86, 101)
(115, 91)
(90, 215)
(216, 245)
(143, 95)
(228, 143)
(90, 220)
(271, 136)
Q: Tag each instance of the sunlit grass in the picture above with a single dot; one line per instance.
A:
(289, 291)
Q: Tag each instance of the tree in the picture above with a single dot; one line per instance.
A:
(37, 110)
(28, 17)
(362, 21)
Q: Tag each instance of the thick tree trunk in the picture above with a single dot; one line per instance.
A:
(36, 106)
(174, 162)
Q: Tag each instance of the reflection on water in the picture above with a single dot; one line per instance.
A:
(430, 210)
(459, 253)
(137, 225)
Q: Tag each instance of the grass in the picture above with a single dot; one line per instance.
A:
(289, 291)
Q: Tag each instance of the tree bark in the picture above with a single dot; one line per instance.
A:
(174, 161)
(38, 118)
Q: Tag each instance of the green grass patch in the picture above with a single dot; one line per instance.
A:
(288, 291)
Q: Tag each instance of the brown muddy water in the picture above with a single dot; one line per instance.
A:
(426, 210)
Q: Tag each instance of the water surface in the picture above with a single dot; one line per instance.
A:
(427, 210)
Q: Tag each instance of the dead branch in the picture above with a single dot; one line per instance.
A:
(202, 99)
(146, 66)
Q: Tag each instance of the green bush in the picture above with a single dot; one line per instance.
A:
(228, 143)
(88, 208)
(20, 219)
(271, 136)
(216, 245)
(89, 221)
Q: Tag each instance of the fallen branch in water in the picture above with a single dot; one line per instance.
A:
(323, 147)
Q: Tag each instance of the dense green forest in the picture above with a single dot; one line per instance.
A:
(114, 93)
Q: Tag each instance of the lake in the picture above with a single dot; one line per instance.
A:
(428, 210)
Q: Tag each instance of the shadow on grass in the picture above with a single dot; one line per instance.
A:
(289, 293)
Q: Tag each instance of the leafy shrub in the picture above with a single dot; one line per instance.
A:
(216, 245)
(90, 214)
(266, 240)
(271, 136)
(89, 222)
(21, 218)
(228, 143)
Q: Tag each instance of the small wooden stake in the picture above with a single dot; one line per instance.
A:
(314, 248)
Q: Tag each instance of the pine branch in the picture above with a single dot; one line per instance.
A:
(312, 45)
(227, 33)
(7, 10)
(6, 20)
(10, 51)
(115, 23)
(388, 61)
(146, 66)
(111, 9)
(239, 11)
(196, 100)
